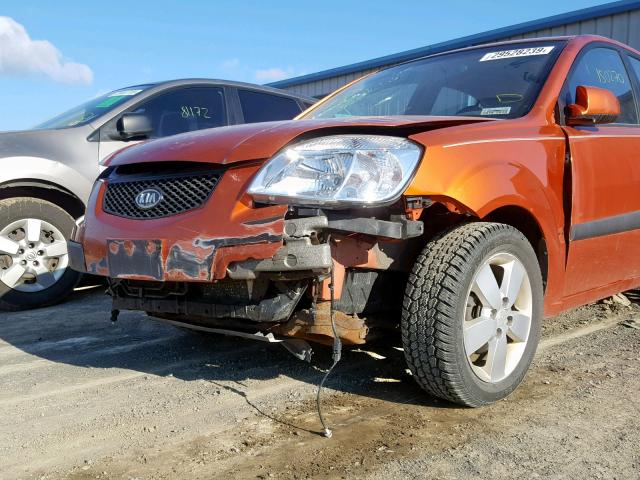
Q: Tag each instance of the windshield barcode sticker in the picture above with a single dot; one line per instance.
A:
(496, 111)
(520, 52)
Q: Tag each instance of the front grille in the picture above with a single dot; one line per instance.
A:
(180, 194)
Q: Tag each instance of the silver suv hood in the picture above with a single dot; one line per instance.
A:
(50, 144)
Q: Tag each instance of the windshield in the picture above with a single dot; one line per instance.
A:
(93, 109)
(499, 81)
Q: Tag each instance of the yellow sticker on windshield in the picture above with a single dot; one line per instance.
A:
(520, 52)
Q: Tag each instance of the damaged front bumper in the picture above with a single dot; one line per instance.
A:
(232, 265)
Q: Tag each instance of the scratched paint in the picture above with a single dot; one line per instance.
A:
(135, 258)
(229, 242)
(196, 246)
(189, 263)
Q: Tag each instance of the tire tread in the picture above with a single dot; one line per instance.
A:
(428, 313)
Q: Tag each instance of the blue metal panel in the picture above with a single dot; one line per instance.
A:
(620, 28)
(548, 23)
(634, 31)
(604, 26)
(573, 29)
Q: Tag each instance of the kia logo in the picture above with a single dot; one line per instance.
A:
(148, 198)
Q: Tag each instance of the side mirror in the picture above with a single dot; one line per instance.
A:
(134, 126)
(593, 105)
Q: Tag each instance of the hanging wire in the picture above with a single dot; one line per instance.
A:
(337, 353)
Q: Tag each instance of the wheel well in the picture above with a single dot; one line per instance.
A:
(522, 220)
(438, 218)
(44, 191)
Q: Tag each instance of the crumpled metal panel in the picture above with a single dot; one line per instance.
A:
(316, 326)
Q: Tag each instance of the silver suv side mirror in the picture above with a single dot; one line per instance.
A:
(134, 126)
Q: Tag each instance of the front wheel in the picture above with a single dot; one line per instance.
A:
(33, 254)
(471, 313)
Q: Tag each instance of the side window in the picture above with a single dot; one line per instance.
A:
(264, 107)
(635, 65)
(184, 110)
(603, 67)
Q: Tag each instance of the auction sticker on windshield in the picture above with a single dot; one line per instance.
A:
(520, 52)
(110, 101)
(125, 93)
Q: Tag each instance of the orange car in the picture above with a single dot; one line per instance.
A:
(459, 197)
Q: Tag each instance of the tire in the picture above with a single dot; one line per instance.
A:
(55, 225)
(446, 313)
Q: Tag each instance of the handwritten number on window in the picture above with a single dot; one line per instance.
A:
(610, 76)
(194, 112)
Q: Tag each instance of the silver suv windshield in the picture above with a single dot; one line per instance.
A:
(89, 111)
(500, 81)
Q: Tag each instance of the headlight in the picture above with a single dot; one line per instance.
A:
(338, 170)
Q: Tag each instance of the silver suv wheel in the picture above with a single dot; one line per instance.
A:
(34, 261)
(33, 255)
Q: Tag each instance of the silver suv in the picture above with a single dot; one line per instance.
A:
(46, 174)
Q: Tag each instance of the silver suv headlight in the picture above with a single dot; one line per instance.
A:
(338, 170)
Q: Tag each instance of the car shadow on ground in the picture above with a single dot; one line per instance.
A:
(79, 333)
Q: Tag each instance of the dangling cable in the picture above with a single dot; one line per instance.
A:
(337, 353)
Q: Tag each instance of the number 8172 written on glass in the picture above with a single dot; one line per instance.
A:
(194, 112)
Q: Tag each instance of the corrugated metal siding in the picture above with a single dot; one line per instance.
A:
(624, 27)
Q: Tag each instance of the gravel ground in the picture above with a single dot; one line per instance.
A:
(83, 399)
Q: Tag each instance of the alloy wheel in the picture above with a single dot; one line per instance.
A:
(497, 317)
(33, 255)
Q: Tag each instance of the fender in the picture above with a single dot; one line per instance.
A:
(49, 171)
(482, 177)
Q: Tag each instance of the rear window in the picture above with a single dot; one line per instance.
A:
(264, 107)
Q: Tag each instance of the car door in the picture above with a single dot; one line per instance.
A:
(260, 106)
(605, 176)
(175, 111)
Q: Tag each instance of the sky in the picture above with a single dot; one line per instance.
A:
(55, 55)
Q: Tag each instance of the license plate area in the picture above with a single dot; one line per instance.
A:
(141, 259)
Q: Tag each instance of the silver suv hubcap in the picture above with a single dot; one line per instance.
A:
(497, 317)
(33, 255)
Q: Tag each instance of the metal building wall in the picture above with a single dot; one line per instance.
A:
(624, 27)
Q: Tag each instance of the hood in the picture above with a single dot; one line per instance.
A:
(49, 144)
(227, 145)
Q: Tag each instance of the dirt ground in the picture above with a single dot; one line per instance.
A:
(83, 399)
